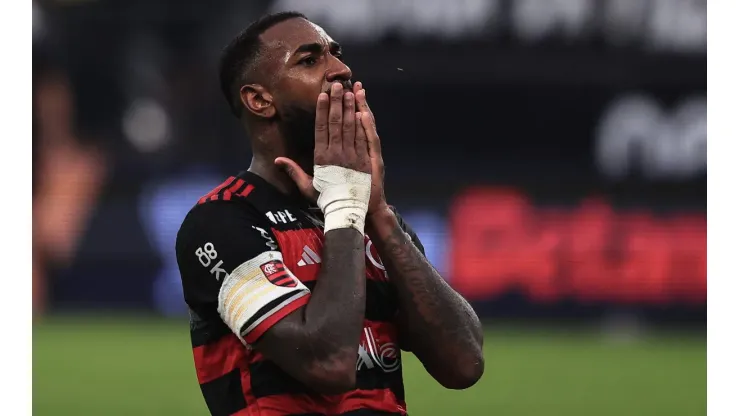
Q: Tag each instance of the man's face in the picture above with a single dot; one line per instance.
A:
(305, 61)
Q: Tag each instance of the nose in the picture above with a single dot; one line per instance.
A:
(338, 71)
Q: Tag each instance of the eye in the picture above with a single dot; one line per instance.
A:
(339, 55)
(308, 61)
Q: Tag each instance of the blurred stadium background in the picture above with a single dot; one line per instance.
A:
(550, 154)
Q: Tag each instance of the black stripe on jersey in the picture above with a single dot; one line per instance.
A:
(379, 300)
(224, 395)
(267, 308)
(204, 331)
(268, 380)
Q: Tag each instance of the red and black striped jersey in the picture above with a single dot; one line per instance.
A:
(248, 256)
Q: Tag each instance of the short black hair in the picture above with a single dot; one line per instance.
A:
(240, 56)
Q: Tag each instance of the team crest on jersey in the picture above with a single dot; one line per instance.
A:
(276, 273)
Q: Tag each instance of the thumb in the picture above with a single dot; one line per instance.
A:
(303, 180)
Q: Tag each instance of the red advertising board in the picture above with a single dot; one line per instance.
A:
(501, 241)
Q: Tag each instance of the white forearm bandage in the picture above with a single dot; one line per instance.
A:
(343, 196)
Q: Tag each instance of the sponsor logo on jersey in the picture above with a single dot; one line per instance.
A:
(308, 257)
(373, 353)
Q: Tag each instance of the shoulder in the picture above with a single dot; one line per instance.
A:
(234, 225)
(220, 211)
(229, 221)
(215, 239)
(231, 204)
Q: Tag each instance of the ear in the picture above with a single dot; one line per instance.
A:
(257, 100)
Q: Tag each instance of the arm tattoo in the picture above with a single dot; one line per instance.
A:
(442, 328)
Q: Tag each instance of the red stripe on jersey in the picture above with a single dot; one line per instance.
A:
(218, 358)
(246, 190)
(383, 331)
(255, 357)
(294, 242)
(238, 184)
(381, 400)
(227, 195)
(247, 384)
(260, 329)
(215, 191)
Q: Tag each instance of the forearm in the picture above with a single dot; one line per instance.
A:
(317, 344)
(337, 306)
(324, 342)
(441, 327)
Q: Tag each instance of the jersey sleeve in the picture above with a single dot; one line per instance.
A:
(229, 261)
(407, 228)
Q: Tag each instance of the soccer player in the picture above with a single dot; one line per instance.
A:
(304, 289)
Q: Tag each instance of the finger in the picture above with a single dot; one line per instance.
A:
(296, 173)
(362, 104)
(357, 87)
(373, 141)
(348, 122)
(322, 117)
(303, 181)
(361, 146)
(335, 116)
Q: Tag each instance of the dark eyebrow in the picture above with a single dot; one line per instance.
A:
(317, 48)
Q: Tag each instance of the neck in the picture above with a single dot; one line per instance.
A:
(263, 164)
(265, 167)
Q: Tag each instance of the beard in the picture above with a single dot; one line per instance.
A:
(296, 125)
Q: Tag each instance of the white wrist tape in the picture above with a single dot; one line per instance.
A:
(343, 196)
